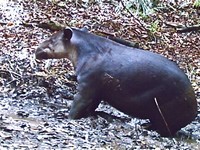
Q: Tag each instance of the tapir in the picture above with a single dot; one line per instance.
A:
(137, 82)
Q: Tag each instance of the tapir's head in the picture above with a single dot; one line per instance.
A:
(58, 46)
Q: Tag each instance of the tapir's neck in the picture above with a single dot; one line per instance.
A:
(73, 55)
(90, 48)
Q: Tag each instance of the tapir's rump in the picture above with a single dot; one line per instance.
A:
(139, 83)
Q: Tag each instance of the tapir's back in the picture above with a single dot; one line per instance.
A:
(141, 70)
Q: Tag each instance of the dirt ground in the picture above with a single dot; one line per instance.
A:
(36, 95)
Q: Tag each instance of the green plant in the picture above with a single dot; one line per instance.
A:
(196, 3)
(154, 27)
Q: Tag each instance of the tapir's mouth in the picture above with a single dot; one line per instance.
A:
(40, 54)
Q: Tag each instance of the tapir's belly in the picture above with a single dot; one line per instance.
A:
(139, 98)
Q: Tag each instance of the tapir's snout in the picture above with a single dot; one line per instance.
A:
(43, 54)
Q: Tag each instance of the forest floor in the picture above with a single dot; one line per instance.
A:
(36, 95)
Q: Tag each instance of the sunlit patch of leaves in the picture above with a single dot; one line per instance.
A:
(140, 6)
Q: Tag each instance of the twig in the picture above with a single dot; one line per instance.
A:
(3, 23)
(166, 124)
(10, 72)
(174, 24)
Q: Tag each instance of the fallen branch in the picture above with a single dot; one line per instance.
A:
(188, 29)
(119, 40)
(53, 26)
(180, 28)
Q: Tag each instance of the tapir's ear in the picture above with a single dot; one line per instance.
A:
(67, 33)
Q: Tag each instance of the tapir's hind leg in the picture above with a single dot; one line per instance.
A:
(172, 116)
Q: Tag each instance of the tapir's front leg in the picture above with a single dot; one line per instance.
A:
(85, 102)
